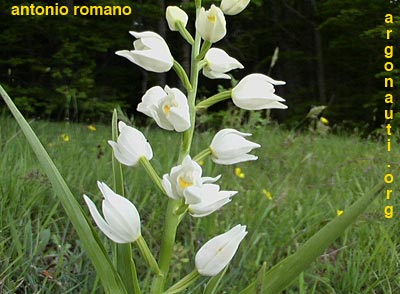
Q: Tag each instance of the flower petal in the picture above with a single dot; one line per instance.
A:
(101, 223)
(120, 213)
(215, 254)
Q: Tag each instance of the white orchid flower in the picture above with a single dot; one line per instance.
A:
(151, 52)
(211, 24)
(214, 255)
(168, 107)
(211, 199)
(130, 146)
(233, 7)
(184, 177)
(218, 63)
(229, 146)
(121, 222)
(173, 14)
(256, 91)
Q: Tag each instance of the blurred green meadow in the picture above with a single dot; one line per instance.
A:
(299, 183)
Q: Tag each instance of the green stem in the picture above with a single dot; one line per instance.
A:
(152, 173)
(203, 154)
(194, 79)
(167, 246)
(147, 255)
(214, 99)
(184, 283)
(182, 75)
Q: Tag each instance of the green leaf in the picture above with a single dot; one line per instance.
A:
(213, 283)
(90, 241)
(184, 283)
(282, 275)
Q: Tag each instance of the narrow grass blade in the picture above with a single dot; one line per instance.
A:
(125, 264)
(260, 281)
(283, 274)
(117, 168)
(90, 241)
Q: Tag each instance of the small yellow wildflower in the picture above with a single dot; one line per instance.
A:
(339, 212)
(324, 120)
(239, 173)
(65, 137)
(91, 128)
(267, 194)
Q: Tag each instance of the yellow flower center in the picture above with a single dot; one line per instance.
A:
(211, 18)
(183, 183)
(167, 108)
(168, 105)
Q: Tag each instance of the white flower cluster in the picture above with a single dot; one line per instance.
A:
(170, 109)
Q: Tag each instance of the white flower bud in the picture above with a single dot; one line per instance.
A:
(174, 14)
(218, 63)
(232, 7)
(256, 91)
(218, 252)
(151, 52)
(211, 199)
(121, 222)
(229, 147)
(130, 146)
(211, 24)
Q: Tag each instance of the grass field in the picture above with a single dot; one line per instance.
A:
(296, 186)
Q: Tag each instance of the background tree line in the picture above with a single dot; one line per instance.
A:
(330, 53)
